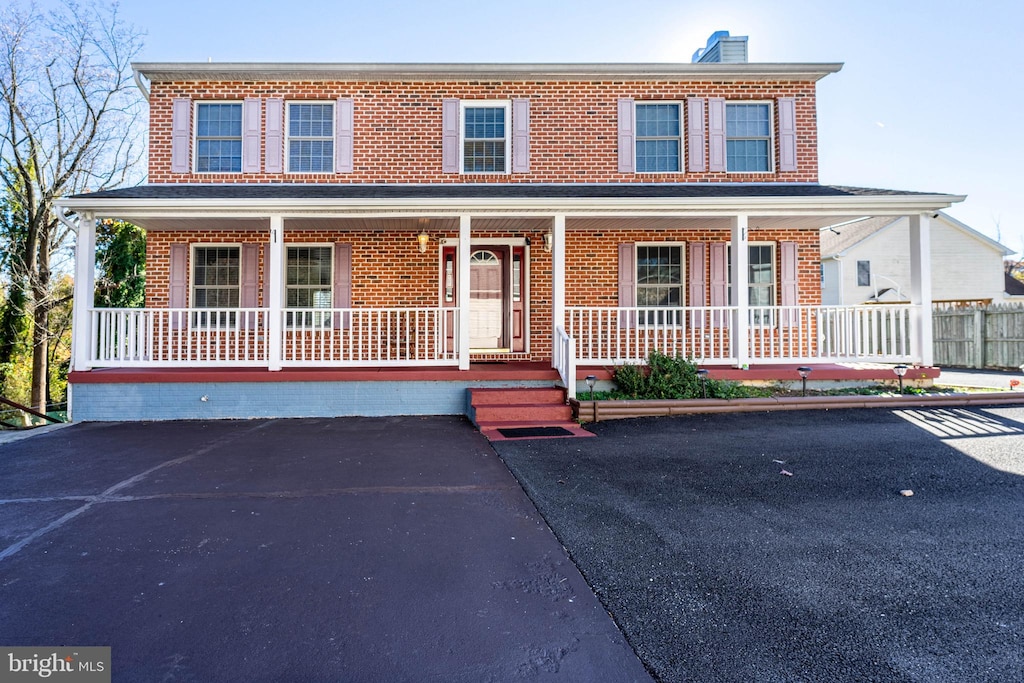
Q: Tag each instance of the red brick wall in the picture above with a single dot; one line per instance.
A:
(573, 128)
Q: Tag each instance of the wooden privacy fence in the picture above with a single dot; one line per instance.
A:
(979, 336)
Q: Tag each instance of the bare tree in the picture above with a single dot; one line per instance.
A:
(71, 122)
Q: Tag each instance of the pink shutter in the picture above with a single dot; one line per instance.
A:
(697, 278)
(181, 134)
(719, 282)
(789, 282)
(251, 111)
(342, 282)
(249, 296)
(520, 136)
(179, 284)
(627, 283)
(450, 136)
(627, 136)
(787, 134)
(695, 135)
(274, 135)
(344, 135)
(265, 251)
(716, 134)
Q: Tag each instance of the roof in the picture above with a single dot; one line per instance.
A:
(839, 238)
(259, 71)
(341, 191)
(1014, 287)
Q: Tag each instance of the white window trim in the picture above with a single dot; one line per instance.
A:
(288, 137)
(682, 137)
(473, 104)
(682, 279)
(771, 137)
(774, 287)
(284, 281)
(192, 287)
(195, 137)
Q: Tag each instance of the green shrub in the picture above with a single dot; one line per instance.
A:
(671, 377)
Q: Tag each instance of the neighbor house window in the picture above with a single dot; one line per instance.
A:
(659, 143)
(309, 277)
(485, 137)
(760, 280)
(215, 285)
(748, 133)
(863, 273)
(659, 281)
(310, 137)
(219, 137)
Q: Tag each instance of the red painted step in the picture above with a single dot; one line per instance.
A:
(507, 408)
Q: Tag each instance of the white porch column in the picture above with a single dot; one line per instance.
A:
(275, 323)
(84, 291)
(921, 288)
(462, 278)
(557, 282)
(740, 291)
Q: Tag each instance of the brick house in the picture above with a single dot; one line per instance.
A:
(344, 239)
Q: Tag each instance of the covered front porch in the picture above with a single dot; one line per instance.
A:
(573, 282)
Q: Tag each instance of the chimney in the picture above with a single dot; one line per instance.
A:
(722, 48)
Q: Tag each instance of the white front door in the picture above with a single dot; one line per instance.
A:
(486, 299)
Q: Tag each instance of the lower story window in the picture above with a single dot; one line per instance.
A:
(659, 282)
(308, 285)
(760, 281)
(215, 285)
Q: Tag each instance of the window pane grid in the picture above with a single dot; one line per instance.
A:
(484, 140)
(659, 277)
(658, 141)
(748, 137)
(311, 138)
(219, 138)
(308, 285)
(215, 280)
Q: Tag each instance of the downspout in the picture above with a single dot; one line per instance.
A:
(141, 85)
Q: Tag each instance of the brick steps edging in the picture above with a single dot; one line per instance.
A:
(583, 410)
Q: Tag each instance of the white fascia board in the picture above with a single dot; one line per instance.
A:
(711, 206)
(206, 71)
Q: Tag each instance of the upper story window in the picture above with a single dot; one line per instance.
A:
(485, 137)
(219, 137)
(659, 143)
(748, 134)
(310, 137)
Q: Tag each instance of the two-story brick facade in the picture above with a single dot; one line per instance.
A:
(311, 228)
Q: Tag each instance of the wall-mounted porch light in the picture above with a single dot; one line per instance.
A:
(900, 371)
(423, 238)
(804, 372)
(549, 239)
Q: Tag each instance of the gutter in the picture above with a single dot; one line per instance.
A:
(141, 85)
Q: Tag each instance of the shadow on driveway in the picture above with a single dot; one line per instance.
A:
(392, 549)
(718, 566)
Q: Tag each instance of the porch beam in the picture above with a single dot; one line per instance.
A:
(275, 324)
(84, 292)
(557, 282)
(740, 293)
(921, 287)
(462, 280)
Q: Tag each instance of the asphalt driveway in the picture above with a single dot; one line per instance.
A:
(778, 547)
(395, 549)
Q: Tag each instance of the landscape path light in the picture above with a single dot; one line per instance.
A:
(804, 371)
(703, 374)
(900, 370)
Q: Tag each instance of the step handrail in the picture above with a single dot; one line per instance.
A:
(28, 410)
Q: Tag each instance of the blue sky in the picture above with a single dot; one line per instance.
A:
(928, 99)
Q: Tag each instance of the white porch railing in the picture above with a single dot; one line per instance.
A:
(147, 337)
(619, 335)
(776, 334)
(370, 336)
(204, 337)
(565, 361)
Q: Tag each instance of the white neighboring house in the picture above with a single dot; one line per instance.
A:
(868, 261)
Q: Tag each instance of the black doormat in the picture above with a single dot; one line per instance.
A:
(527, 432)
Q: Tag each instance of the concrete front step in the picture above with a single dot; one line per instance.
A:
(521, 408)
(529, 412)
(493, 433)
(499, 396)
